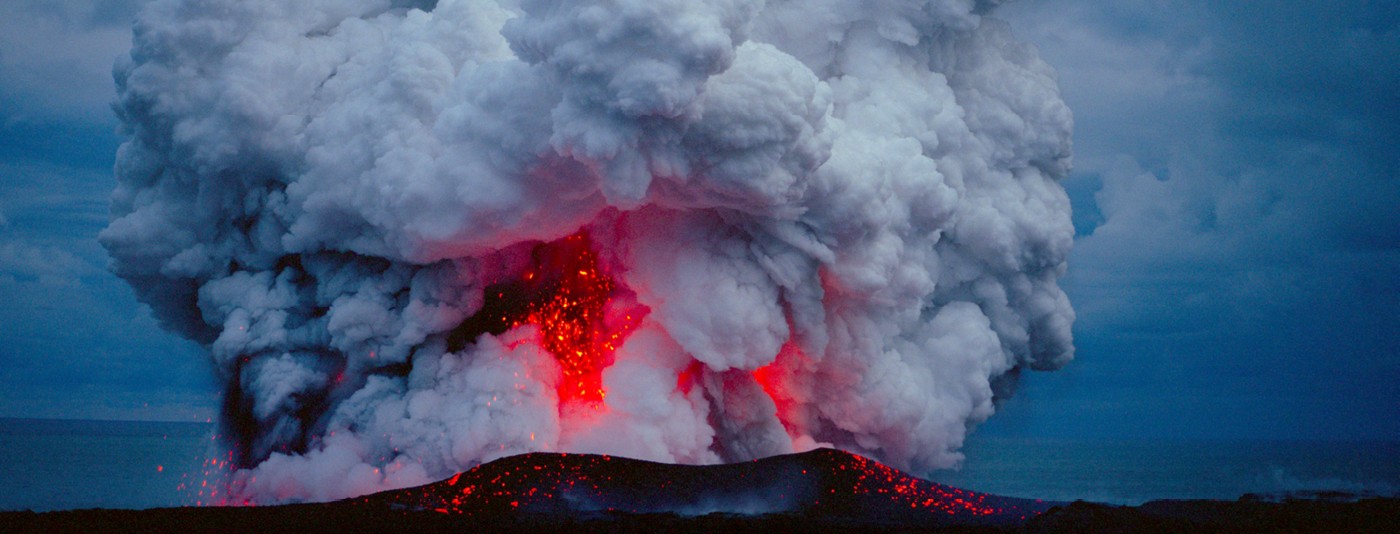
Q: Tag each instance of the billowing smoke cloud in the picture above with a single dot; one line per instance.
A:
(793, 223)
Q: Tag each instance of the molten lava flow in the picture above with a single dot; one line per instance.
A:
(566, 295)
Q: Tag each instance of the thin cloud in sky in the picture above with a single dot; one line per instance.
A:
(56, 57)
(1235, 191)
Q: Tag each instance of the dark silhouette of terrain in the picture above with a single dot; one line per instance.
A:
(818, 490)
(825, 483)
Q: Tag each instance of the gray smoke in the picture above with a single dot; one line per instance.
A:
(839, 223)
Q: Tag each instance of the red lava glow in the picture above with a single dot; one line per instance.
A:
(874, 478)
(821, 482)
(571, 295)
(772, 379)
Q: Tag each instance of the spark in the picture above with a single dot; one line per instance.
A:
(543, 481)
(568, 296)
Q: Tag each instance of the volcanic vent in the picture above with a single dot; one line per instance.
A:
(564, 293)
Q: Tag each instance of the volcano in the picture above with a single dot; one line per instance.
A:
(821, 490)
(413, 236)
(823, 485)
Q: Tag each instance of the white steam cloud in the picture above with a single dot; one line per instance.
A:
(836, 222)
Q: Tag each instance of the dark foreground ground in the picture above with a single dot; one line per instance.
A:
(1373, 515)
(821, 490)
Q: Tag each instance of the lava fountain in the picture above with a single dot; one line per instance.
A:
(564, 293)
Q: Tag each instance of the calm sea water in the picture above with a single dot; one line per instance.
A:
(57, 465)
(64, 464)
(1134, 472)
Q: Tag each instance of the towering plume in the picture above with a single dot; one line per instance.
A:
(417, 235)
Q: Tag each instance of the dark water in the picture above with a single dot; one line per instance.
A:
(57, 465)
(63, 464)
(1133, 472)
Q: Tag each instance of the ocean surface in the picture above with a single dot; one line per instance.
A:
(1134, 472)
(63, 464)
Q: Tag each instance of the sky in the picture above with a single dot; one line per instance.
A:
(1236, 269)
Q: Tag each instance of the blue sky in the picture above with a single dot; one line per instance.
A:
(74, 343)
(1237, 261)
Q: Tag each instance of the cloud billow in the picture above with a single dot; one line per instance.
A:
(808, 223)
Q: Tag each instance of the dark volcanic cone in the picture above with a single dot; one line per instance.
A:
(822, 484)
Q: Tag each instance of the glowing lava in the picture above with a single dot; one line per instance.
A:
(567, 295)
(823, 483)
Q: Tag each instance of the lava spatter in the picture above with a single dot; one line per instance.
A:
(566, 294)
(823, 483)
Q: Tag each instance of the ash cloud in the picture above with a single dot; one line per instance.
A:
(837, 223)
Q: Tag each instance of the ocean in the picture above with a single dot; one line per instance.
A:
(64, 464)
(1134, 472)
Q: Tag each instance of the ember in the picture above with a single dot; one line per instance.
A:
(210, 486)
(565, 294)
(822, 483)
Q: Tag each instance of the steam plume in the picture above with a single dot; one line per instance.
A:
(792, 223)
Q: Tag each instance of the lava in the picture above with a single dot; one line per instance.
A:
(567, 295)
(820, 483)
